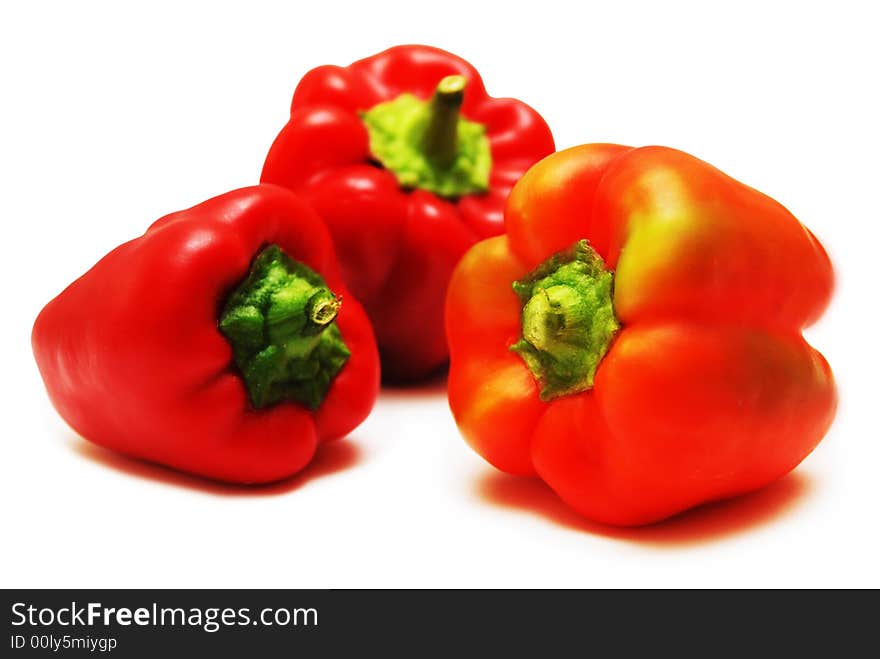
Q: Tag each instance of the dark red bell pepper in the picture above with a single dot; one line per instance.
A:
(409, 161)
(222, 342)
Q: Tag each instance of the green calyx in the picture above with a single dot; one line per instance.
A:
(428, 145)
(280, 323)
(568, 320)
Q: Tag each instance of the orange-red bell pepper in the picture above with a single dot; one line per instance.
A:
(635, 337)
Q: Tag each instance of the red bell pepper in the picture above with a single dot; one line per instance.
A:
(409, 162)
(635, 337)
(222, 342)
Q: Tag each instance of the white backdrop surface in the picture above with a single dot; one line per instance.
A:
(113, 116)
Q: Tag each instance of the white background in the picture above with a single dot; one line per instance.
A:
(113, 116)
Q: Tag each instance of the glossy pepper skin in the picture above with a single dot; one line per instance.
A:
(706, 390)
(133, 357)
(398, 243)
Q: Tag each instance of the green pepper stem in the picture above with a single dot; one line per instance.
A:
(568, 320)
(322, 308)
(279, 322)
(440, 139)
(428, 145)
